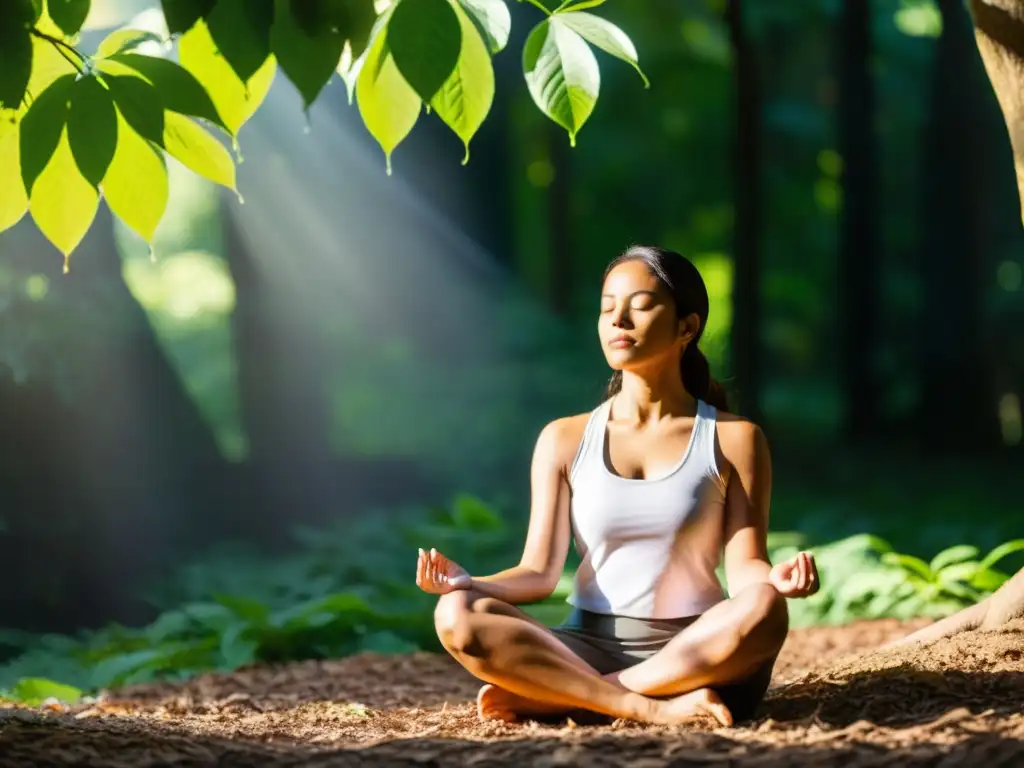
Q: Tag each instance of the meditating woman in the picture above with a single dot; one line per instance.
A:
(654, 485)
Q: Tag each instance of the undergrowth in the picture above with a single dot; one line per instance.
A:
(350, 588)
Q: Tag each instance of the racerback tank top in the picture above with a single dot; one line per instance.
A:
(649, 547)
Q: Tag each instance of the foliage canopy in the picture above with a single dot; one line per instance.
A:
(76, 126)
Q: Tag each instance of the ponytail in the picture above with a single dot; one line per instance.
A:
(697, 378)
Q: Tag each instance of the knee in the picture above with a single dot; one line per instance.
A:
(456, 620)
(767, 614)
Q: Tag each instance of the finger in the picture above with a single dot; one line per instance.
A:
(420, 568)
(802, 571)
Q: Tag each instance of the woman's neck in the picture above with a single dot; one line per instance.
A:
(650, 396)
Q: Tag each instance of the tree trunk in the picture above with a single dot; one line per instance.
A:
(560, 259)
(957, 409)
(858, 241)
(746, 300)
(999, 33)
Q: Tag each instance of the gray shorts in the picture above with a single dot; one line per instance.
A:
(612, 643)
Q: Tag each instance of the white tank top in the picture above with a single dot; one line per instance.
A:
(649, 547)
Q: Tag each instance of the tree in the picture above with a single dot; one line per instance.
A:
(858, 241)
(747, 192)
(76, 127)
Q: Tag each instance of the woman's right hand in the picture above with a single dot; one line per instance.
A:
(437, 575)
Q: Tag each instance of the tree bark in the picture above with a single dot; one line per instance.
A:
(746, 303)
(999, 33)
(858, 241)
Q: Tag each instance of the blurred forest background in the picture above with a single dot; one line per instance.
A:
(345, 349)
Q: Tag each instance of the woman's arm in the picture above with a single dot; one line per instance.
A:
(747, 498)
(547, 540)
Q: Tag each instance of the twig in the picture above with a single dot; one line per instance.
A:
(62, 49)
(537, 4)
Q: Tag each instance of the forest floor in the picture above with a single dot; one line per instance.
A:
(833, 702)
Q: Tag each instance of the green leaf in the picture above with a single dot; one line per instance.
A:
(989, 580)
(562, 74)
(235, 101)
(236, 649)
(124, 40)
(15, 65)
(47, 63)
(1003, 550)
(606, 36)
(952, 555)
(963, 571)
(466, 96)
(197, 150)
(182, 14)
(69, 15)
(41, 128)
(135, 186)
(35, 690)
(139, 104)
(425, 38)
(13, 201)
(247, 608)
(352, 19)
(63, 203)
(115, 668)
(179, 89)
(914, 565)
(307, 60)
(472, 514)
(493, 20)
(387, 103)
(241, 32)
(92, 128)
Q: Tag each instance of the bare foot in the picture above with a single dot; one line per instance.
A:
(681, 709)
(494, 703)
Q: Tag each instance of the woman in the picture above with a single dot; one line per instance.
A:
(652, 637)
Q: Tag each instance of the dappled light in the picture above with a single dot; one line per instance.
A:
(296, 299)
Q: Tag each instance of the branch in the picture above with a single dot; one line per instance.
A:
(62, 49)
(537, 4)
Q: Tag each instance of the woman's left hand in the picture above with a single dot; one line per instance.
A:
(797, 577)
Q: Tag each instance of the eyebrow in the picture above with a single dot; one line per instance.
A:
(634, 293)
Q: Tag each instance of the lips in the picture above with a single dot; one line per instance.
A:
(621, 342)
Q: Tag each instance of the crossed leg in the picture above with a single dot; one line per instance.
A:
(530, 671)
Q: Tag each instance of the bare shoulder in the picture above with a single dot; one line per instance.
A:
(741, 440)
(560, 439)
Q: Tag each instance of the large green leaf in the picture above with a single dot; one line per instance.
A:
(197, 150)
(352, 19)
(179, 89)
(138, 102)
(912, 565)
(13, 201)
(954, 554)
(63, 203)
(1003, 550)
(92, 128)
(15, 64)
(135, 186)
(182, 14)
(466, 96)
(307, 59)
(41, 128)
(241, 31)
(424, 38)
(493, 19)
(387, 103)
(69, 15)
(605, 35)
(562, 74)
(124, 40)
(235, 101)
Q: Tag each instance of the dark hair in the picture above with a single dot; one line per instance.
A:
(689, 294)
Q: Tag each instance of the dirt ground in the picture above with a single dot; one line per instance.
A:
(833, 702)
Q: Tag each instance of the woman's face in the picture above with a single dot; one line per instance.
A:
(638, 325)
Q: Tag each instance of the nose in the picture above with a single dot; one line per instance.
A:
(620, 318)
